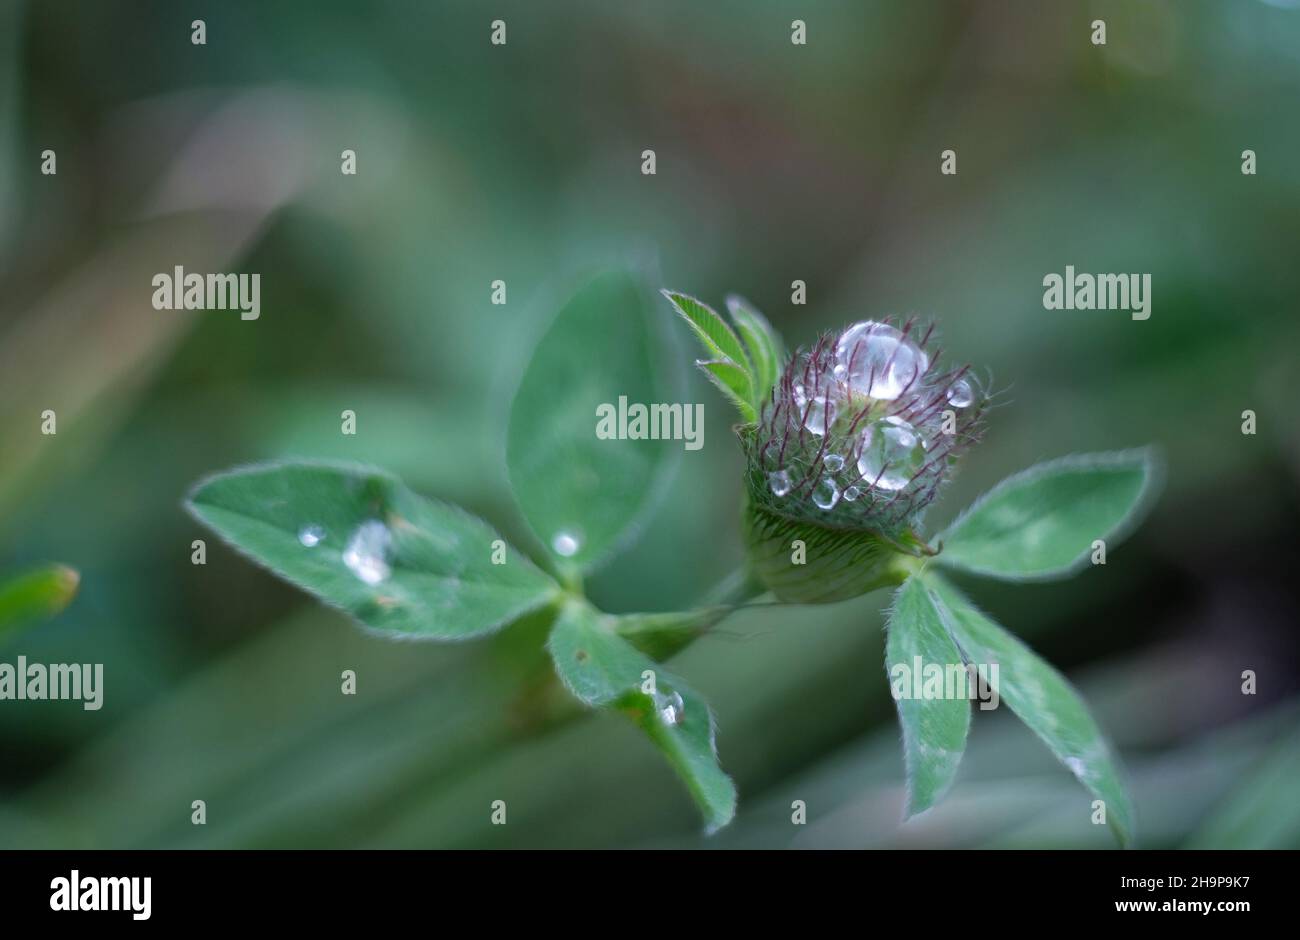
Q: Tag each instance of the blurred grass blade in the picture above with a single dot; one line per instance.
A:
(585, 496)
(1264, 811)
(1043, 699)
(1042, 522)
(35, 595)
(934, 728)
(603, 670)
(357, 539)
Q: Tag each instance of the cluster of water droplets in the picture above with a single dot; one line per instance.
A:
(366, 552)
(859, 395)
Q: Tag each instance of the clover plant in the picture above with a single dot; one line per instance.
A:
(847, 443)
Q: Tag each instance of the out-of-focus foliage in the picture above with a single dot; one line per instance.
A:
(775, 163)
(35, 595)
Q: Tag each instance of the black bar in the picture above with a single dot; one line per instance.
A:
(335, 889)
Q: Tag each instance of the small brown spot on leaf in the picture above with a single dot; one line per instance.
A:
(398, 522)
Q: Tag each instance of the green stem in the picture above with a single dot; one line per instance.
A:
(902, 566)
(735, 588)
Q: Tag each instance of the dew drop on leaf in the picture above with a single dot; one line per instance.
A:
(670, 708)
(311, 535)
(366, 554)
(565, 543)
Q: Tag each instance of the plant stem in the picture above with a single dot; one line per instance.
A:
(735, 588)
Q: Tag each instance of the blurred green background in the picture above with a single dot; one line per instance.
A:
(775, 162)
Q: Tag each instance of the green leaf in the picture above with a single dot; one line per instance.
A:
(1041, 523)
(1043, 700)
(934, 727)
(36, 595)
(604, 670)
(718, 338)
(397, 562)
(765, 348)
(586, 496)
(734, 382)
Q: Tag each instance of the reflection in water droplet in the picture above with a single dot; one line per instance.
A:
(833, 462)
(565, 543)
(366, 553)
(670, 708)
(818, 414)
(959, 394)
(311, 535)
(877, 360)
(892, 453)
(826, 494)
(779, 482)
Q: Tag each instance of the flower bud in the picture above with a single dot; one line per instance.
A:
(852, 445)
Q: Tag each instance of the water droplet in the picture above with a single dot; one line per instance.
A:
(834, 462)
(819, 415)
(959, 394)
(778, 482)
(1077, 767)
(566, 543)
(311, 535)
(892, 453)
(826, 494)
(670, 707)
(816, 413)
(366, 553)
(878, 360)
(851, 493)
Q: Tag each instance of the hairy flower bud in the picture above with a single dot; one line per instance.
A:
(852, 445)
